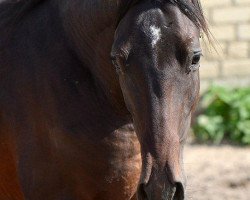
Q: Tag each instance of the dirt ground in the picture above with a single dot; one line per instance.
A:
(217, 173)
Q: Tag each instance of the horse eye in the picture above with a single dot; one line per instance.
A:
(196, 59)
(195, 62)
(120, 63)
(115, 62)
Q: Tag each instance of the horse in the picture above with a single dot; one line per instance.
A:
(96, 97)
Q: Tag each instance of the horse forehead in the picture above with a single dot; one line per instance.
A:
(171, 17)
(184, 32)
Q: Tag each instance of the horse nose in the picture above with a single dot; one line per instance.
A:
(179, 191)
(141, 193)
(175, 192)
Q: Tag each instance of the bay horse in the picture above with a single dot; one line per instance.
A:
(79, 124)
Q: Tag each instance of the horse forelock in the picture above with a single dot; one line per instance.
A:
(191, 8)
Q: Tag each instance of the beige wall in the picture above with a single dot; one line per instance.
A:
(229, 22)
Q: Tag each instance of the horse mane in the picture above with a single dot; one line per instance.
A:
(193, 10)
(11, 11)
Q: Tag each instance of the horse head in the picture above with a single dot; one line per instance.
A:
(156, 52)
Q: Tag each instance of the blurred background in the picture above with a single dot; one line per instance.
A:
(217, 157)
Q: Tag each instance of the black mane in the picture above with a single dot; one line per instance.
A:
(12, 11)
(193, 10)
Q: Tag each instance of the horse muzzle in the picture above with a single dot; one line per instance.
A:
(161, 192)
(162, 184)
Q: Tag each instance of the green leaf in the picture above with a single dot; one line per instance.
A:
(226, 115)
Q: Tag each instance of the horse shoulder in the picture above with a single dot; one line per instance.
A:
(9, 183)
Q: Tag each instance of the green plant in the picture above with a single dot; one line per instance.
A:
(226, 116)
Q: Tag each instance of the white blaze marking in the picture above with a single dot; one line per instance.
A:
(155, 35)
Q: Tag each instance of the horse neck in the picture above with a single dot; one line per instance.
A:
(90, 28)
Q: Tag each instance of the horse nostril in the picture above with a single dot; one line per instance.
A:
(179, 193)
(141, 193)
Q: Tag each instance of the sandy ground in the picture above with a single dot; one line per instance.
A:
(217, 173)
